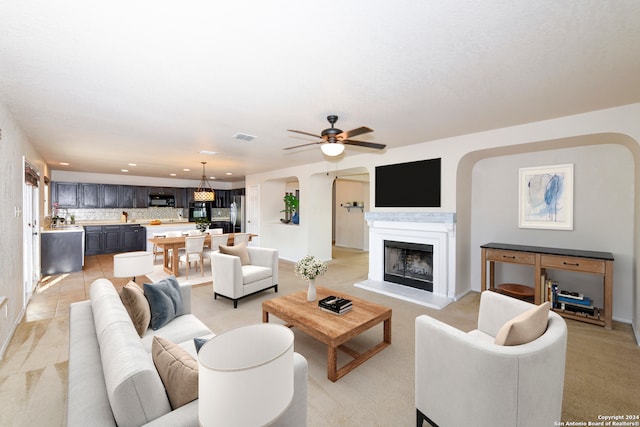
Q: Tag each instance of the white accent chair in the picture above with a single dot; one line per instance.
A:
(235, 281)
(464, 379)
(193, 247)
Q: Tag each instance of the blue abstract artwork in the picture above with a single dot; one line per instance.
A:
(546, 197)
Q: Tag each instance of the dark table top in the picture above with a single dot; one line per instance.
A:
(550, 251)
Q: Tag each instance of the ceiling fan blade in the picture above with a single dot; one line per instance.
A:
(353, 132)
(304, 133)
(304, 145)
(364, 144)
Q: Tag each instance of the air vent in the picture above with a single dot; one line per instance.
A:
(243, 137)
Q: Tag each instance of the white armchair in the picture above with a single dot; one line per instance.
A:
(465, 379)
(234, 281)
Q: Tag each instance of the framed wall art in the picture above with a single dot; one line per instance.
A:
(546, 197)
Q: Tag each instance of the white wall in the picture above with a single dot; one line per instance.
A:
(603, 194)
(617, 125)
(13, 146)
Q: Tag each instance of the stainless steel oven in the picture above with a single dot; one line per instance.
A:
(200, 210)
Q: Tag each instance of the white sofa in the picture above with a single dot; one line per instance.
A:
(464, 379)
(112, 377)
(234, 281)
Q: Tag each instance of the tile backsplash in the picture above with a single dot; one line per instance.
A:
(141, 214)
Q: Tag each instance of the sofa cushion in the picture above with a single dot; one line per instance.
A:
(525, 327)
(179, 330)
(165, 301)
(239, 250)
(178, 371)
(137, 306)
(253, 273)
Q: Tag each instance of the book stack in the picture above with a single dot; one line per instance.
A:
(335, 305)
(575, 302)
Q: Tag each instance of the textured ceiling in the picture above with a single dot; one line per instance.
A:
(103, 84)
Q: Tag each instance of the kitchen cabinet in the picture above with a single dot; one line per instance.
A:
(223, 199)
(110, 196)
(61, 251)
(126, 196)
(132, 238)
(106, 239)
(65, 194)
(141, 197)
(180, 196)
(225, 225)
(89, 195)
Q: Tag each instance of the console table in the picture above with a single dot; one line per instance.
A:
(541, 258)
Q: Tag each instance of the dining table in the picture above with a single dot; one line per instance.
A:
(173, 244)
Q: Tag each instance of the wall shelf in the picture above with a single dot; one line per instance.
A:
(349, 206)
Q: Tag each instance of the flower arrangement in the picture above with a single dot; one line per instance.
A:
(310, 267)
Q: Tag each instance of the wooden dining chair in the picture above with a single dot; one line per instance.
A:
(193, 246)
(240, 237)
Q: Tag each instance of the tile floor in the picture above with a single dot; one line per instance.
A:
(33, 371)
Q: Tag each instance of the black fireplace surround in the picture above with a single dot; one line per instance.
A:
(409, 264)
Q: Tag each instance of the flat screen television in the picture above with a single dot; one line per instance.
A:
(408, 185)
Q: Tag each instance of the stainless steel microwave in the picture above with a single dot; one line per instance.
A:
(166, 200)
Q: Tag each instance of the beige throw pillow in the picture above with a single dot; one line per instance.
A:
(137, 306)
(239, 250)
(178, 371)
(525, 327)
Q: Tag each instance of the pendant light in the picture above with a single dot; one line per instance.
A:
(204, 193)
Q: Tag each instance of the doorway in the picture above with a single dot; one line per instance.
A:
(31, 238)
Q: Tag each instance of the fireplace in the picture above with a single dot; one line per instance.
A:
(431, 271)
(409, 264)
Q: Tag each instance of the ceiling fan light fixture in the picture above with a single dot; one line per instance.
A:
(332, 149)
(204, 192)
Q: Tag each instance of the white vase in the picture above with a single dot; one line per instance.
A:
(311, 292)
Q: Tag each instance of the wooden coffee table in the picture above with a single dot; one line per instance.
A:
(331, 329)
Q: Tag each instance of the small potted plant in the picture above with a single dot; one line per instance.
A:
(202, 224)
(291, 205)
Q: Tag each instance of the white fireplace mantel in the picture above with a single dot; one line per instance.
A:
(437, 229)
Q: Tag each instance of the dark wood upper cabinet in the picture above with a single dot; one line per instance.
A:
(180, 195)
(110, 193)
(90, 196)
(65, 194)
(126, 196)
(142, 197)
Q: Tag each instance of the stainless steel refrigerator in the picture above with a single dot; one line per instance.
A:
(236, 213)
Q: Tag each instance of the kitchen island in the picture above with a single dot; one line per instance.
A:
(62, 249)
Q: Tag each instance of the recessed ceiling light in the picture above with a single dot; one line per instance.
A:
(124, 170)
(228, 173)
(172, 174)
(64, 164)
(210, 153)
(186, 170)
(212, 177)
(132, 164)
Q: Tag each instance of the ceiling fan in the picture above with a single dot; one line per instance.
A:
(333, 139)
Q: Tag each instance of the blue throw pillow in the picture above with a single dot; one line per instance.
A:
(199, 342)
(165, 301)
